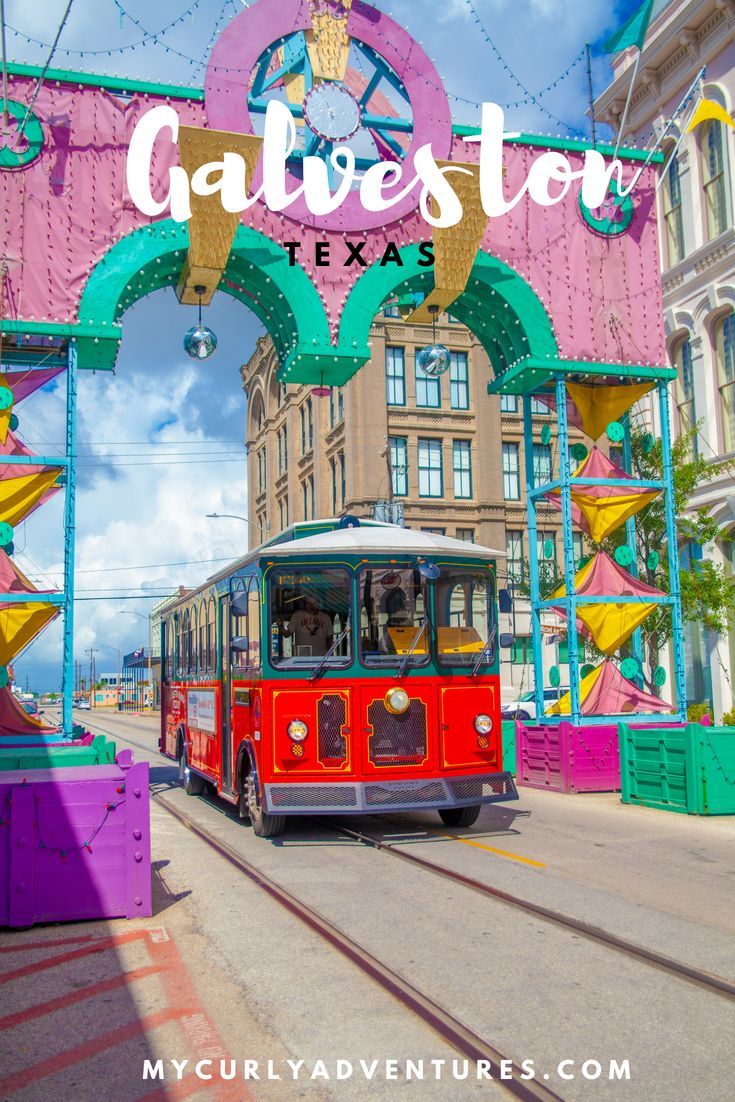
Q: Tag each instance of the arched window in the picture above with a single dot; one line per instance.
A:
(202, 648)
(254, 613)
(212, 635)
(673, 213)
(725, 345)
(713, 178)
(685, 386)
(185, 644)
(193, 641)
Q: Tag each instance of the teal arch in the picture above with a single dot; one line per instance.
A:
(257, 273)
(501, 309)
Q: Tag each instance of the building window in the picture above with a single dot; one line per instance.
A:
(280, 453)
(684, 389)
(340, 404)
(336, 406)
(303, 430)
(281, 515)
(333, 468)
(459, 383)
(467, 535)
(462, 467)
(726, 377)
(522, 651)
(713, 172)
(514, 555)
(428, 388)
(399, 464)
(343, 490)
(539, 408)
(395, 376)
(310, 423)
(331, 408)
(311, 495)
(305, 496)
(431, 478)
(391, 311)
(511, 472)
(435, 531)
(508, 403)
(673, 213)
(542, 465)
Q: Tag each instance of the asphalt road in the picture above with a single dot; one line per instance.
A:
(538, 992)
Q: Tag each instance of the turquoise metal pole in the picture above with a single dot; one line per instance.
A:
(67, 681)
(673, 553)
(538, 662)
(565, 475)
(632, 544)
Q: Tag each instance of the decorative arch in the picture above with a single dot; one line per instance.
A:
(498, 305)
(258, 274)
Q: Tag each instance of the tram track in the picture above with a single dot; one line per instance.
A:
(453, 1031)
(714, 984)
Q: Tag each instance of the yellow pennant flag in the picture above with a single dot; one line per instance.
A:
(706, 110)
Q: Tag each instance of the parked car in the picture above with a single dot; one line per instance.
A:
(31, 707)
(83, 705)
(525, 706)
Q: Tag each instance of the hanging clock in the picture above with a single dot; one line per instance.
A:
(349, 77)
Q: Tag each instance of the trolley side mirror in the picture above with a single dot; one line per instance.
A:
(505, 601)
(239, 604)
(240, 643)
(507, 639)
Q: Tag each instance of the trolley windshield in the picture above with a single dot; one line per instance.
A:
(465, 616)
(309, 617)
(393, 605)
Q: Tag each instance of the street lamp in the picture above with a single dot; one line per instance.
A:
(130, 612)
(234, 516)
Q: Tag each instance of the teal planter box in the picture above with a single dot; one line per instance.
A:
(687, 769)
(509, 746)
(100, 752)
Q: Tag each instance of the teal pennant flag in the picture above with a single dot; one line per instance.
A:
(632, 33)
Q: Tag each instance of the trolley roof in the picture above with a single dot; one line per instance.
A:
(389, 539)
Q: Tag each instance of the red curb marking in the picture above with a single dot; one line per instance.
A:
(20, 946)
(77, 996)
(99, 946)
(85, 1051)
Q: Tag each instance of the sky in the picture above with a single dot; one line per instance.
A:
(162, 440)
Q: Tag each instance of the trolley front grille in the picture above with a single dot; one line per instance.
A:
(331, 718)
(397, 740)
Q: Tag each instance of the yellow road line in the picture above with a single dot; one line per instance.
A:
(490, 849)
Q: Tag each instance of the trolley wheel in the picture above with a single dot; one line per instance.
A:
(192, 784)
(263, 824)
(460, 816)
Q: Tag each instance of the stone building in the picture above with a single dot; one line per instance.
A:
(697, 234)
(442, 451)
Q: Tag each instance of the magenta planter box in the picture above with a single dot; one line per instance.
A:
(75, 844)
(565, 758)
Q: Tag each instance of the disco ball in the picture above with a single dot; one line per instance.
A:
(434, 360)
(199, 342)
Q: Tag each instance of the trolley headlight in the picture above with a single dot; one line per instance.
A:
(297, 730)
(483, 724)
(397, 701)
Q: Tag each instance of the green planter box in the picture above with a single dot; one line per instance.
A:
(688, 769)
(100, 752)
(509, 746)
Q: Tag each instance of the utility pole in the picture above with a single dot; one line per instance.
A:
(92, 651)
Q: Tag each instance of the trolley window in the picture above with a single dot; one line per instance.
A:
(310, 617)
(394, 627)
(465, 617)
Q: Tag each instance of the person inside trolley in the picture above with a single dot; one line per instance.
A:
(310, 627)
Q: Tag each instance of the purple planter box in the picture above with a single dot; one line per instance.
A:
(75, 844)
(563, 758)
